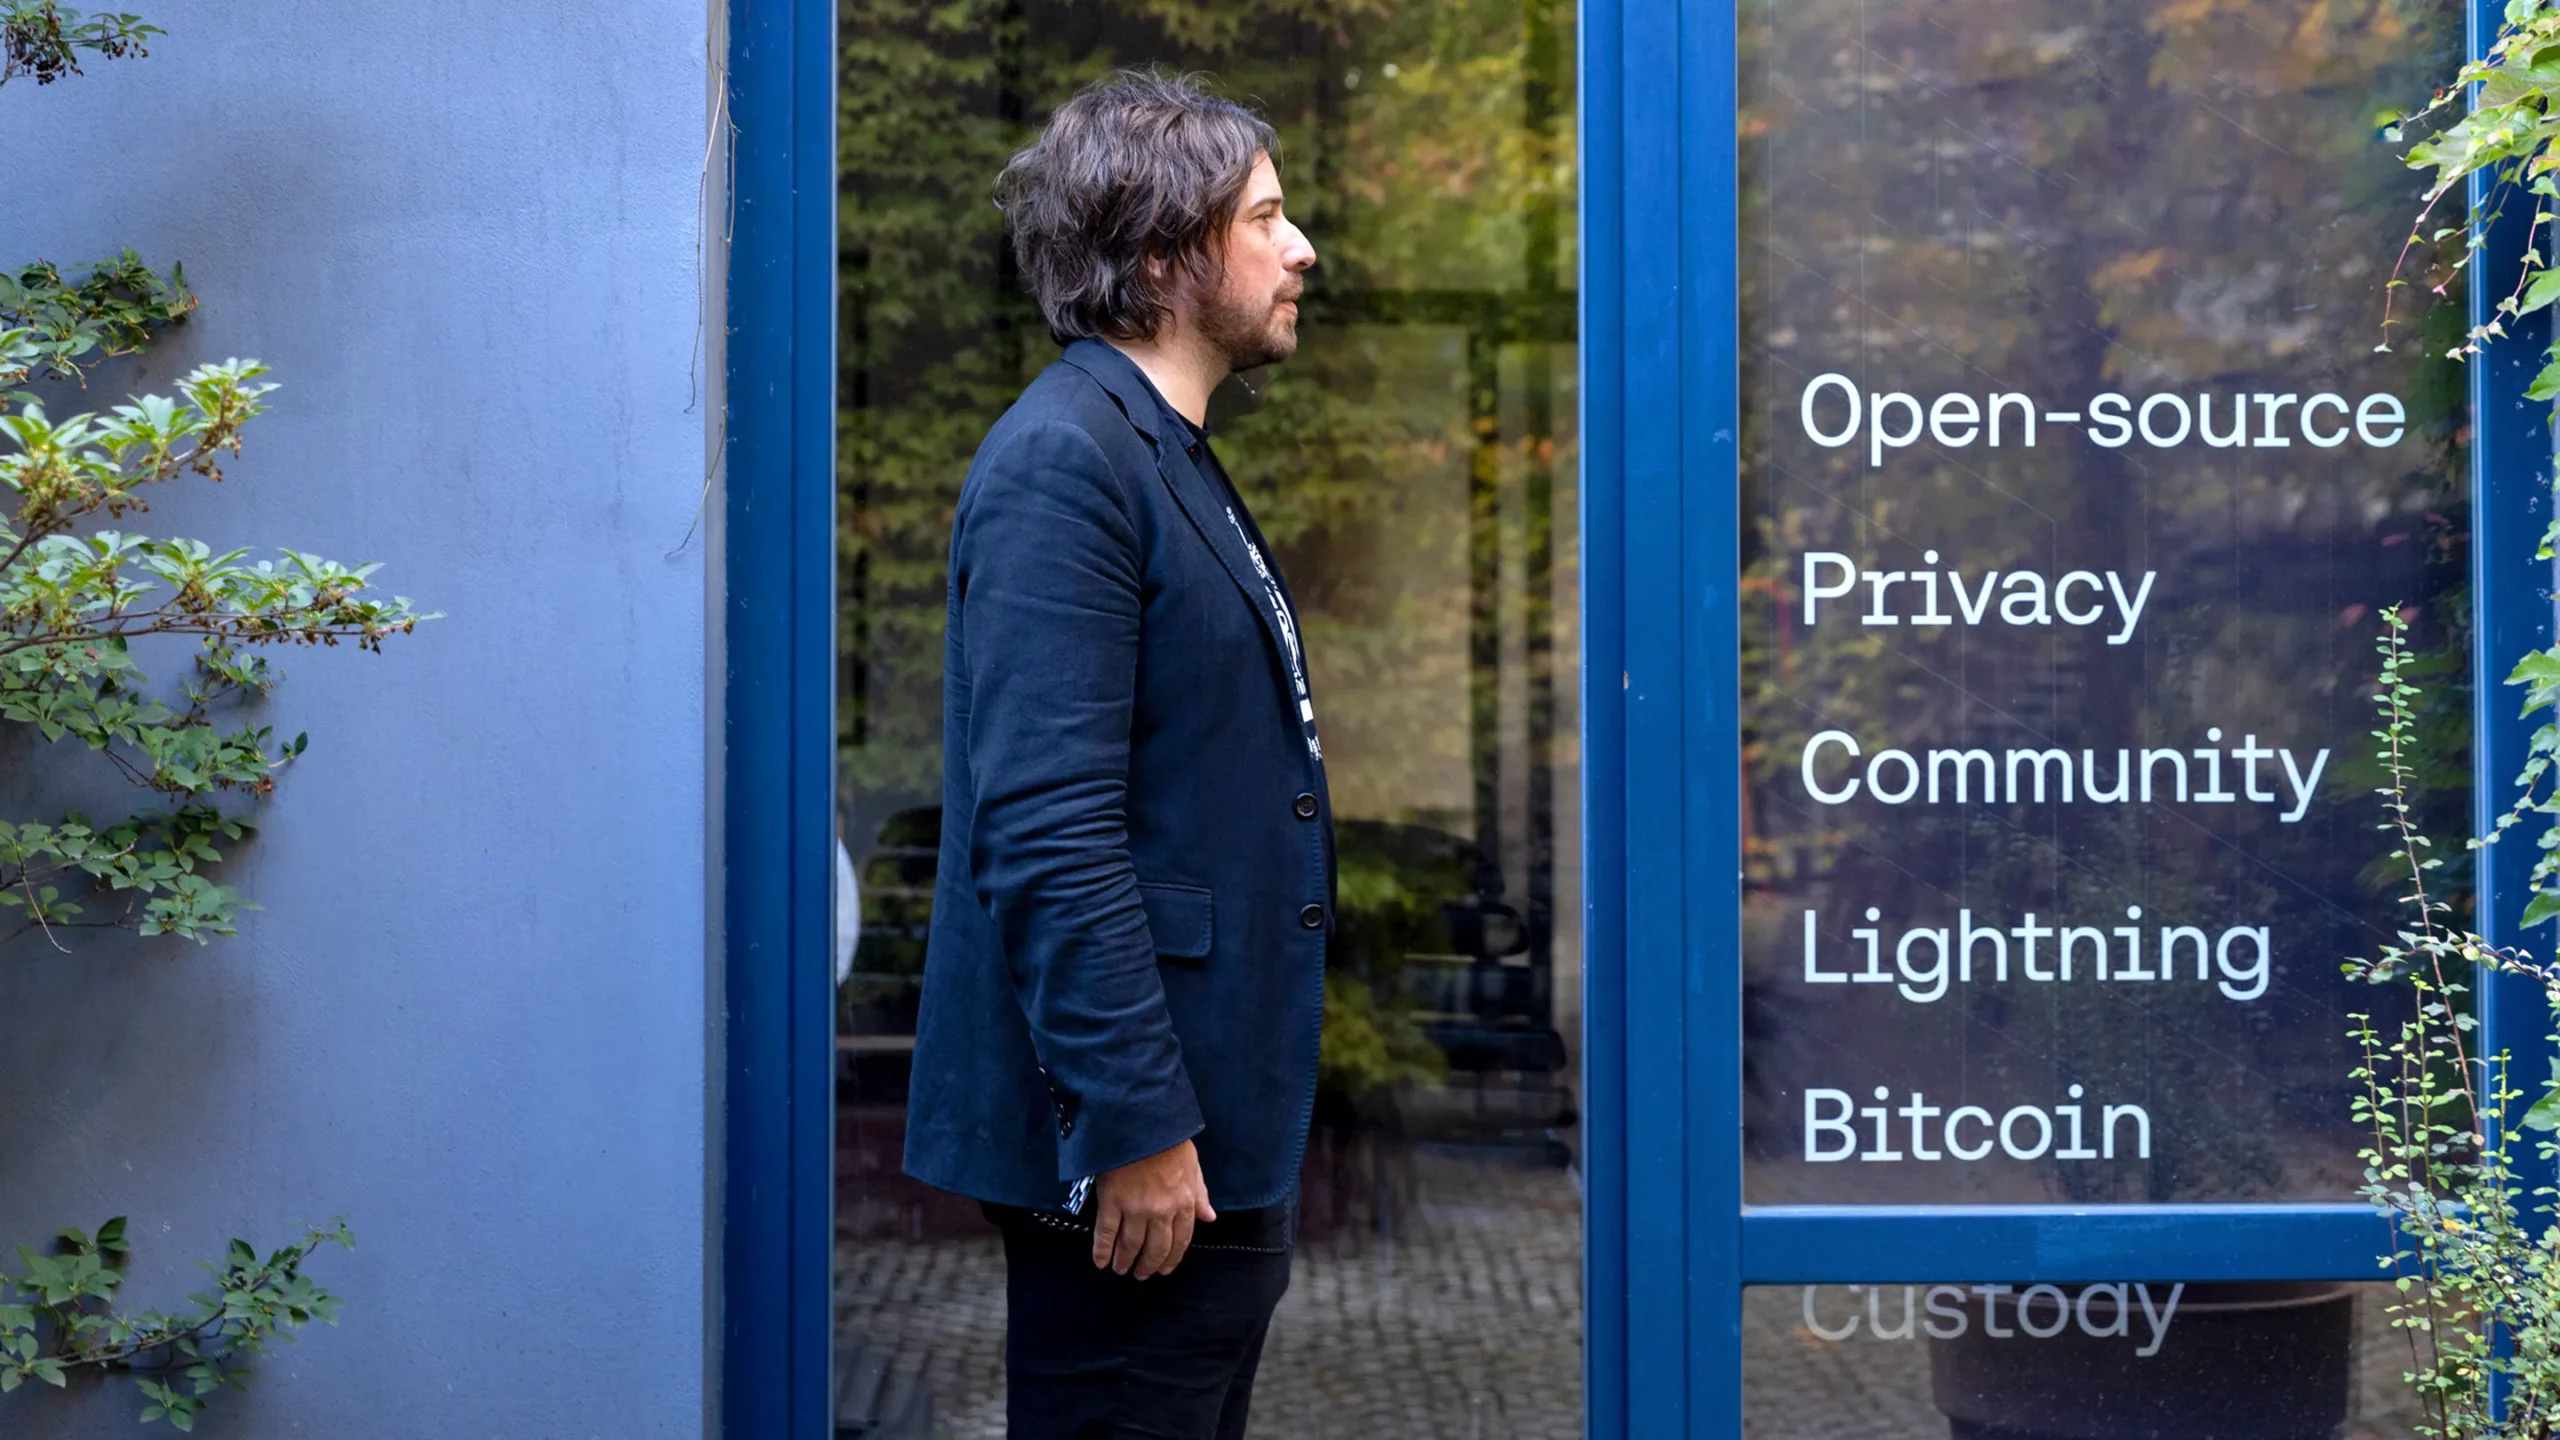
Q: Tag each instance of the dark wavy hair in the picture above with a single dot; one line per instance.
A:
(1138, 166)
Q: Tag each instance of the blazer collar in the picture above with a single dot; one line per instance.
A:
(1127, 384)
(1201, 500)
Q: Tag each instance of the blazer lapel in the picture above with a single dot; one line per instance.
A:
(1201, 501)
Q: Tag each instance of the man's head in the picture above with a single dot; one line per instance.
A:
(1149, 205)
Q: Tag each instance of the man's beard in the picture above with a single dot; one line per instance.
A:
(1247, 334)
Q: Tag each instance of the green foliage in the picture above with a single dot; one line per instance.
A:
(44, 39)
(2505, 137)
(76, 601)
(74, 606)
(2477, 1274)
(1369, 1046)
(2508, 137)
(59, 1317)
(111, 311)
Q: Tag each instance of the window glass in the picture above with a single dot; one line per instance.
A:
(1415, 469)
(2072, 486)
(2130, 1361)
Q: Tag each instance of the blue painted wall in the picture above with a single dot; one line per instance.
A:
(472, 1015)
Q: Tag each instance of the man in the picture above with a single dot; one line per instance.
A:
(1125, 979)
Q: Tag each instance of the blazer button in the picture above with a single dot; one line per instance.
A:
(1306, 807)
(1312, 917)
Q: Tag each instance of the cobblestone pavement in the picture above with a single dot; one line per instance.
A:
(1466, 1325)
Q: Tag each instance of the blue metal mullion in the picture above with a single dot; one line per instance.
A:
(2510, 470)
(813, 716)
(2511, 610)
(1604, 774)
(1905, 1244)
(1710, 630)
(1650, 254)
(756, 889)
(778, 741)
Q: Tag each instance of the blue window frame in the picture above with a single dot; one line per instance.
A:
(1670, 1242)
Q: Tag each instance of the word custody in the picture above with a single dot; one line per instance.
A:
(1948, 1317)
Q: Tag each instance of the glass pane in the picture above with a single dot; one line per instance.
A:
(2073, 1362)
(2072, 485)
(1415, 469)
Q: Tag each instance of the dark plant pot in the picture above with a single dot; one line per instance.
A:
(2237, 1362)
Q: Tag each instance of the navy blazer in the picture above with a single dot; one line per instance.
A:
(1136, 875)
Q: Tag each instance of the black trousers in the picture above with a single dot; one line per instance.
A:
(1090, 1355)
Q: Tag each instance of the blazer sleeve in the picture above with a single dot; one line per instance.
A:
(1048, 575)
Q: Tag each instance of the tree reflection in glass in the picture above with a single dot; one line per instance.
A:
(1949, 204)
(1414, 468)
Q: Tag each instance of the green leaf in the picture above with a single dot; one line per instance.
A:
(2544, 289)
(2545, 1114)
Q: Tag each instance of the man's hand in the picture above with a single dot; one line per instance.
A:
(1146, 1211)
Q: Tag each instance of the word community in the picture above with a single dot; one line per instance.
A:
(2023, 597)
(1833, 413)
(1924, 955)
(1898, 777)
(1968, 1133)
(2040, 1312)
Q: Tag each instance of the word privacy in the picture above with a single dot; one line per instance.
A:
(2024, 597)
(1834, 413)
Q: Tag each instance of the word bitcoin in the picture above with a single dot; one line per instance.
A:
(1968, 1133)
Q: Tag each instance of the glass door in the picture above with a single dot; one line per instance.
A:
(1416, 467)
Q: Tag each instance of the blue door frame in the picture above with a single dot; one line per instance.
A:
(1669, 1242)
(777, 1151)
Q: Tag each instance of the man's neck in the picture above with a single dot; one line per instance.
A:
(1183, 370)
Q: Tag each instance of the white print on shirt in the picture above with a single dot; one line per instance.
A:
(1288, 635)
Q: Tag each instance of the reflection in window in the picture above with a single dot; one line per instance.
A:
(2056, 686)
(1414, 467)
(2122, 1361)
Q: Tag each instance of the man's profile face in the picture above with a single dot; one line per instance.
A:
(1249, 310)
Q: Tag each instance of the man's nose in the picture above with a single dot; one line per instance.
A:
(1300, 255)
